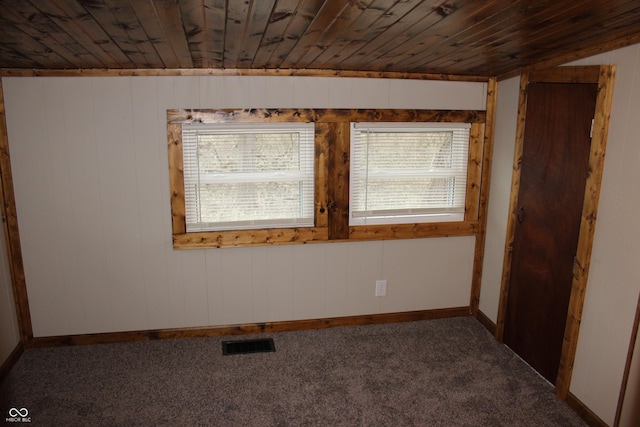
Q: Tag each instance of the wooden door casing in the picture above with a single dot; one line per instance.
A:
(554, 167)
(604, 76)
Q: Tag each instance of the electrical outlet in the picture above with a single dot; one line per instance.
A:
(381, 288)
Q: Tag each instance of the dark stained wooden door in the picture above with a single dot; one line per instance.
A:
(554, 169)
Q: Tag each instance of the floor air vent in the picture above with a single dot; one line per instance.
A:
(248, 346)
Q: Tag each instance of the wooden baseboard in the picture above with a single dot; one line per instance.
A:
(11, 361)
(486, 322)
(585, 413)
(574, 403)
(253, 328)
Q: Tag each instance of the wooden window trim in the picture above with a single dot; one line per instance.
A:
(331, 184)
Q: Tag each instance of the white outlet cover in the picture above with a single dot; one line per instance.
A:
(381, 288)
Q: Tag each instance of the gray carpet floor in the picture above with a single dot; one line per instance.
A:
(447, 372)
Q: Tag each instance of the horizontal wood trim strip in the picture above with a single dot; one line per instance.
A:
(11, 361)
(584, 412)
(138, 72)
(288, 236)
(227, 239)
(415, 231)
(287, 115)
(589, 74)
(252, 328)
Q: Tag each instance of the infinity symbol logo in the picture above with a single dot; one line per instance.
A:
(23, 412)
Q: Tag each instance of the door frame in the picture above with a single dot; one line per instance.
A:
(604, 76)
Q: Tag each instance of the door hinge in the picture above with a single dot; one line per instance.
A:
(591, 131)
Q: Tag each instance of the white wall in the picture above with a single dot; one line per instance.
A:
(9, 333)
(500, 193)
(630, 414)
(614, 278)
(92, 193)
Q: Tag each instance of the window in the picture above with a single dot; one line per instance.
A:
(294, 176)
(248, 176)
(408, 172)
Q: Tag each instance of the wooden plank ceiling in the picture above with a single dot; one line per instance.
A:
(453, 37)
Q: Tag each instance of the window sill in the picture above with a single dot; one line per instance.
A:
(240, 238)
(288, 236)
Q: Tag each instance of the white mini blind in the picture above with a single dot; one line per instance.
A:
(408, 172)
(248, 176)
